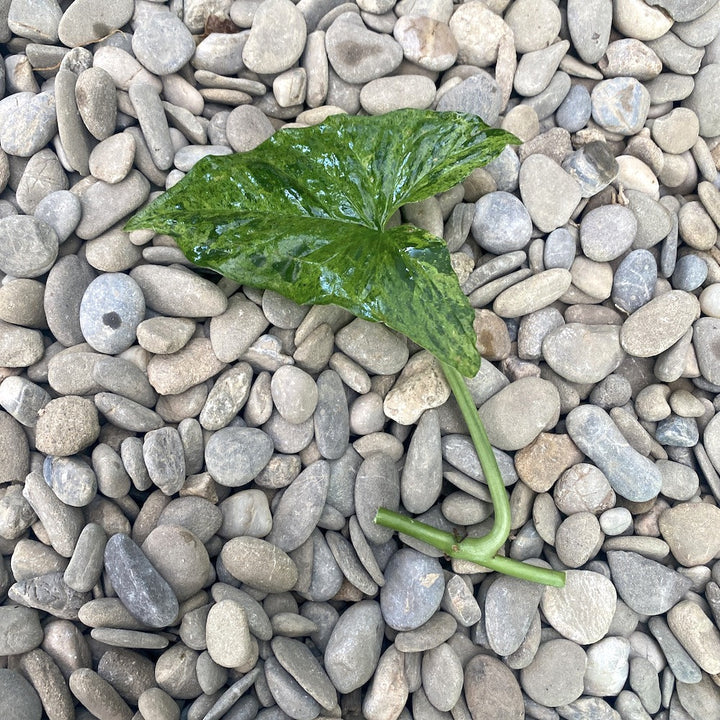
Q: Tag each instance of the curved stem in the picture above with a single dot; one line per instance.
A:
(496, 538)
(483, 550)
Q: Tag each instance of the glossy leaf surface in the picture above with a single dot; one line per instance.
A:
(305, 212)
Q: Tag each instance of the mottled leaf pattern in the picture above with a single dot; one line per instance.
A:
(305, 214)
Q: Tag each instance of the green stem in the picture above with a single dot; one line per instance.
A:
(467, 549)
(482, 551)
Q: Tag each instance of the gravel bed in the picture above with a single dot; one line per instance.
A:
(190, 468)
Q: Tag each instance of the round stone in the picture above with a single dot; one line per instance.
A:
(491, 689)
(583, 353)
(276, 39)
(620, 105)
(112, 307)
(677, 131)
(426, 41)
(535, 24)
(517, 414)
(162, 43)
(692, 530)
(20, 630)
(67, 425)
(501, 223)
(179, 556)
(414, 586)
(606, 232)
(28, 246)
(234, 455)
(555, 675)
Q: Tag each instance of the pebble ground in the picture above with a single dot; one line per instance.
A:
(190, 468)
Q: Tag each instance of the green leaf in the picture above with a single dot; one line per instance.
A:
(305, 212)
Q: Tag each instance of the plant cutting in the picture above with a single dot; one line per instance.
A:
(307, 213)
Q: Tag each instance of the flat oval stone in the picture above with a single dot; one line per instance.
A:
(413, 590)
(555, 675)
(354, 646)
(259, 564)
(377, 484)
(96, 99)
(489, 683)
(631, 475)
(373, 346)
(138, 584)
(697, 634)
(300, 507)
(85, 22)
(583, 610)
(392, 93)
(178, 293)
(606, 232)
(227, 634)
(518, 413)
(536, 292)
(634, 280)
(583, 353)
(510, 606)
(426, 41)
(659, 324)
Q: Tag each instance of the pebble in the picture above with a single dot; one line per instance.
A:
(357, 54)
(34, 122)
(48, 593)
(703, 105)
(489, 683)
(535, 24)
(259, 564)
(549, 193)
(696, 633)
(426, 41)
(479, 94)
(66, 426)
(518, 413)
(555, 675)
(71, 479)
(21, 629)
(690, 546)
(19, 698)
(620, 105)
(630, 474)
(583, 353)
(276, 39)
(138, 584)
(354, 646)
(298, 510)
(111, 308)
(513, 233)
(478, 33)
(607, 232)
(227, 635)
(29, 246)
(533, 293)
(235, 455)
(669, 315)
(392, 93)
(510, 606)
(373, 347)
(162, 43)
(413, 590)
(634, 281)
